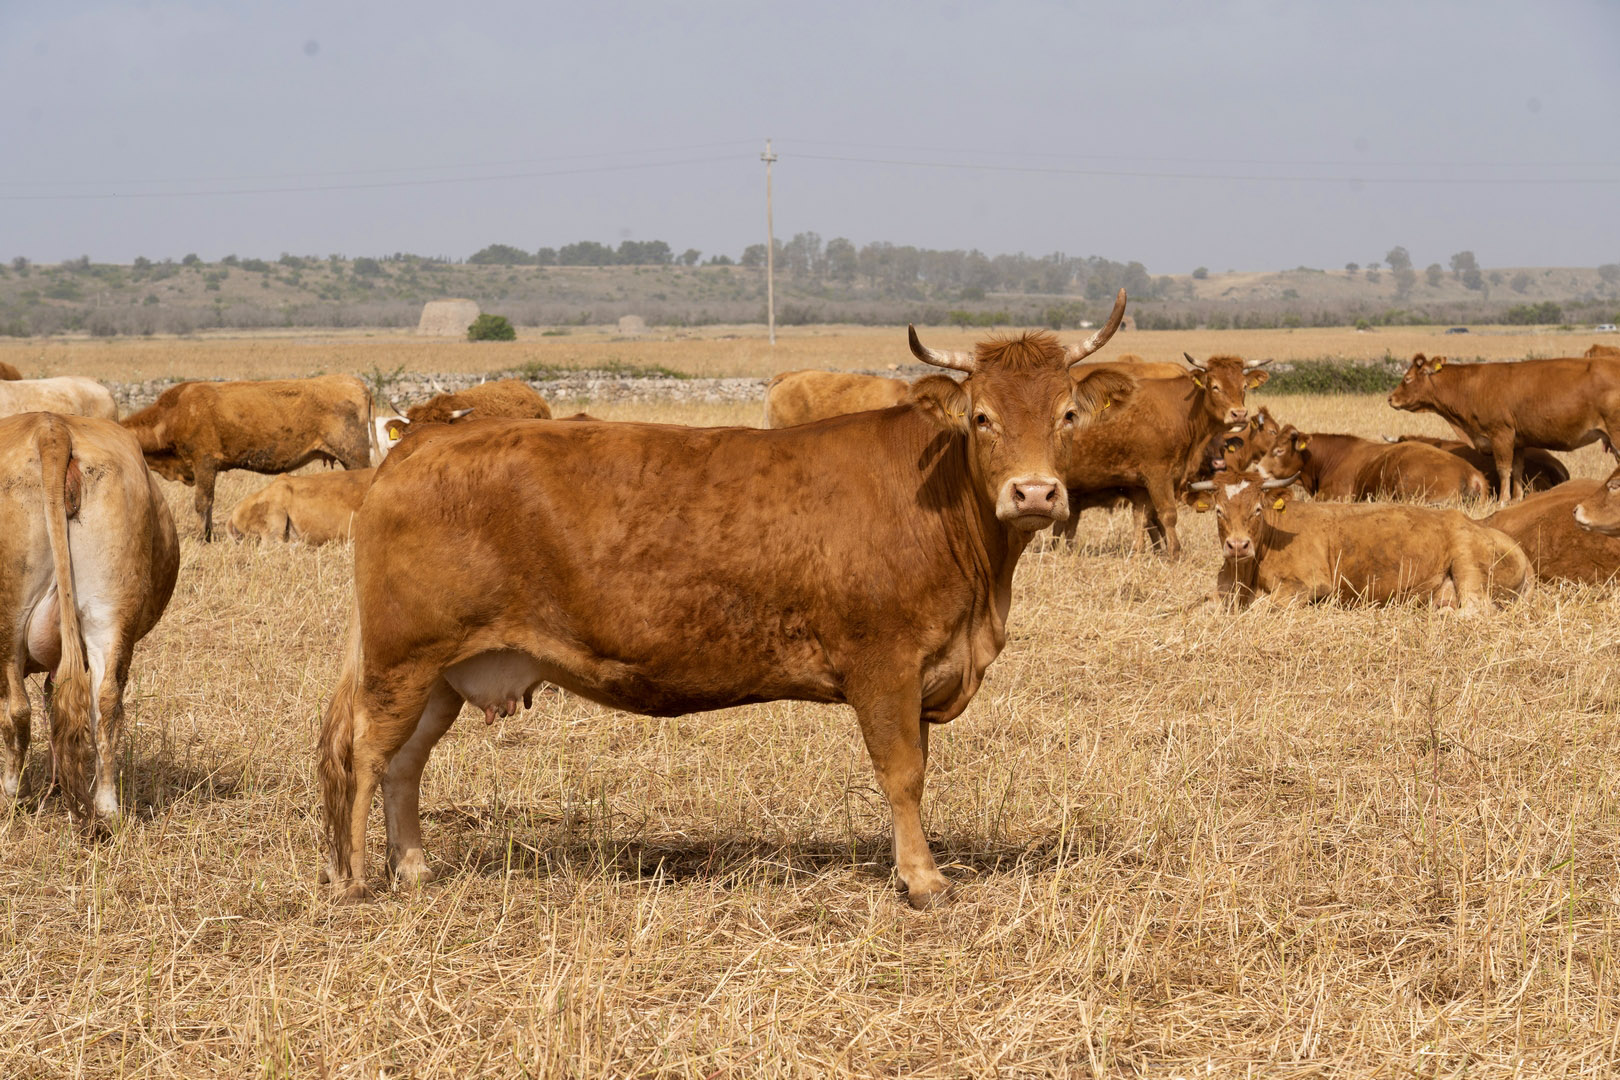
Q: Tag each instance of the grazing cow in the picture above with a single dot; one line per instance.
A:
(1554, 404)
(1376, 554)
(1350, 467)
(1154, 444)
(65, 395)
(1550, 527)
(8, 373)
(89, 558)
(799, 397)
(195, 430)
(513, 399)
(1599, 511)
(1542, 471)
(1602, 350)
(865, 559)
(306, 509)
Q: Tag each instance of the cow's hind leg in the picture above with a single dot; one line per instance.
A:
(1163, 496)
(897, 740)
(205, 472)
(402, 786)
(14, 731)
(1502, 454)
(109, 668)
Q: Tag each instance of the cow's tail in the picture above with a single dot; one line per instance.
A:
(335, 756)
(72, 743)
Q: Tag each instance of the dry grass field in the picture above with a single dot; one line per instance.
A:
(709, 351)
(1317, 842)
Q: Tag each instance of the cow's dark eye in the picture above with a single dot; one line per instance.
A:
(1071, 417)
(982, 420)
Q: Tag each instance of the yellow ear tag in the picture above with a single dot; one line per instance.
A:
(1299, 444)
(1280, 504)
(1201, 505)
(393, 435)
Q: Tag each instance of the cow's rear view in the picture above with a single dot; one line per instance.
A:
(91, 555)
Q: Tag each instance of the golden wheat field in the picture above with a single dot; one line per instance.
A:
(1325, 842)
(707, 351)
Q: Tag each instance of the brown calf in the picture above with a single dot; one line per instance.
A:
(1350, 467)
(1542, 471)
(302, 509)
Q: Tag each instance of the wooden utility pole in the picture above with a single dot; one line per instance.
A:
(770, 246)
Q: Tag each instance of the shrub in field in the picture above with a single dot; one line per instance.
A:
(489, 327)
(1330, 376)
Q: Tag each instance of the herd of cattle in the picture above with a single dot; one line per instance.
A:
(860, 549)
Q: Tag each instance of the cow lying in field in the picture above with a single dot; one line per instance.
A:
(89, 556)
(196, 430)
(512, 399)
(799, 397)
(1294, 551)
(1599, 511)
(65, 395)
(302, 509)
(8, 373)
(1560, 404)
(1350, 467)
(1542, 471)
(865, 560)
(1548, 526)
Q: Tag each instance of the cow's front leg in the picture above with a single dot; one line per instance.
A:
(897, 739)
(204, 501)
(1503, 456)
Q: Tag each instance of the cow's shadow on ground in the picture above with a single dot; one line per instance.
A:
(539, 845)
(149, 785)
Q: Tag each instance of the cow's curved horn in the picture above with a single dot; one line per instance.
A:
(392, 404)
(439, 386)
(1392, 438)
(1279, 482)
(1250, 365)
(954, 359)
(1195, 365)
(1201, 485)
(1076, 353)
(457, 414)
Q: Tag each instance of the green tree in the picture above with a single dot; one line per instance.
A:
(489, 327)
(1462, 262)
(1398, 259)
(690, 257)
(1434, 273)
(1520, 282)
(1201, 273)
(585, 253)
(501, 255)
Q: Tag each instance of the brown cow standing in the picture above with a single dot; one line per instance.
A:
(1554, 404)
(195, 430)
(1154, 443)
(1350, 467)
(512, 399)
(1542, 471)
(89, 558)
(1378, 554)
(866, 559)
(1548, 526)
(799, 397)
(302, 509)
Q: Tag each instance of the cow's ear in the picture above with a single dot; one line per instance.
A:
(1280, 503)
(395, 430)
(1198, 380)
(1436, 364)
(1301, 440)
(1202, 502)
(1233, 443)
(943, 400)
(1255, 378)
(1101, 390)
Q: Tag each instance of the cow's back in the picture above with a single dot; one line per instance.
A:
(1155, 433)
(1415, 470)
(65, 395)
(800, 397)
(1559, 549)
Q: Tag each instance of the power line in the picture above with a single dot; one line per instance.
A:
(370, 186)
(377, 171)
(1201, 159)
(1137, 174)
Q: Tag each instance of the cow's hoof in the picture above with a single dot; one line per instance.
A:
(927, 899)
(412, 870)
(352, 893)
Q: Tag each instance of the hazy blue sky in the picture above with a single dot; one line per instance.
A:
(1132, 130)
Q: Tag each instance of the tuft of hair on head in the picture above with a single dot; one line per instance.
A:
(1034, 350)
